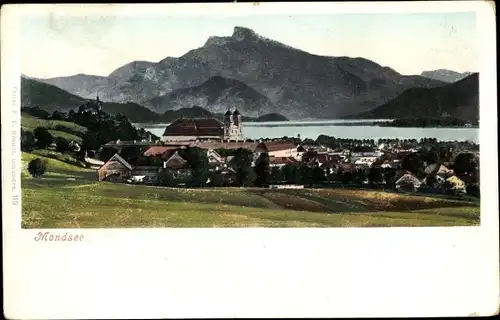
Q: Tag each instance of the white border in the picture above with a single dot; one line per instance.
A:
(151, 273)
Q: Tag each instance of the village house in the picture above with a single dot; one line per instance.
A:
(144, 174)
(457, 184)
(408, 182)
(116, 169)
(281, 161)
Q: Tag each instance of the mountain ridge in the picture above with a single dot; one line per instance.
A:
(445, 75)
(217, 95)
(301, 84)
(459, 100)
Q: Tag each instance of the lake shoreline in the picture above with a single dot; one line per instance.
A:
(348, 129)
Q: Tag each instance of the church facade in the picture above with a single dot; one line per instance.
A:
(233, 126)
(205, 129)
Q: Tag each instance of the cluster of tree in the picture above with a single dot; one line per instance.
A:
(421, 122)
(41, 138)
(102, 128)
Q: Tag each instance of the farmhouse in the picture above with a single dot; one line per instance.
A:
(115, 169)
(408, 182)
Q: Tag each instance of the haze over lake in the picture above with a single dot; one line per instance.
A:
(313, 128)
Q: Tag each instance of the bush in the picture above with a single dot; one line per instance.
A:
(62, 145)
(165, 179)
(37, 168)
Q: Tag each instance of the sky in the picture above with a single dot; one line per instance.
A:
(408, 43)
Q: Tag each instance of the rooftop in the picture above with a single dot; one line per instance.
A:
(195, 127)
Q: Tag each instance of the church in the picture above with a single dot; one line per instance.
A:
(205, 129)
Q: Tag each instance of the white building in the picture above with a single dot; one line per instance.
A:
(233, 126)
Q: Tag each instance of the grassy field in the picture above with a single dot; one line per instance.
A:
(29, 123)
(81, 202)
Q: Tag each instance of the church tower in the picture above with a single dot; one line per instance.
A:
(98, 103)
(233, 126)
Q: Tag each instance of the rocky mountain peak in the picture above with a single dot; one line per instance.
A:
(242, 33)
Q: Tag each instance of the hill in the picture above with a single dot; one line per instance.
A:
(445, 75)
(271, 117)
(51, 98)
(458, 100)
(192, 112)
(47, 97)
(67, 130)
(299, 84)
(216, 95)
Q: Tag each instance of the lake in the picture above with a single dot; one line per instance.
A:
(337, 128)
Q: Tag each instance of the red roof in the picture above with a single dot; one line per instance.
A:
(195, 127)
(159, 150)
(225, 145)
(282, 160)
(279, 145)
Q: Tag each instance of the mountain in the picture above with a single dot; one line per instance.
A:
(46, 96)
(300, 84)
(445, 75)
(458, 100)
(217, 95)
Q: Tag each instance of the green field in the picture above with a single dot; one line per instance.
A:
(56, 202)
(29, 123)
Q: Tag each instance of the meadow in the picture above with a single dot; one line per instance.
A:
(67, 130)
(68, 196)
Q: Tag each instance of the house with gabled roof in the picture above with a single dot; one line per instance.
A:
(115, 169)
(408, 182)
(281, 161)
(436, 168)
(175, 162)
(457, 183)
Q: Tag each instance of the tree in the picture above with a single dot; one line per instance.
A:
(276, 175)
(413, 163)
(197, 162)
(346, 177)
(91, 141)
(465, 166)
(131, 154)
(305, 175)
(165, 178)
(216, 179)
(43, 137)
(262, 171)
(106, 153)
(28, 141)
(317, 175)
(473, 190)
(62, 145)
(291, 173)
(242, 164)
(308, 156)
(375, 175)
(58, 115)
(37, 168)
(430, 180)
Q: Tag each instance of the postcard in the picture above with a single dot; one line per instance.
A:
(249, 160)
